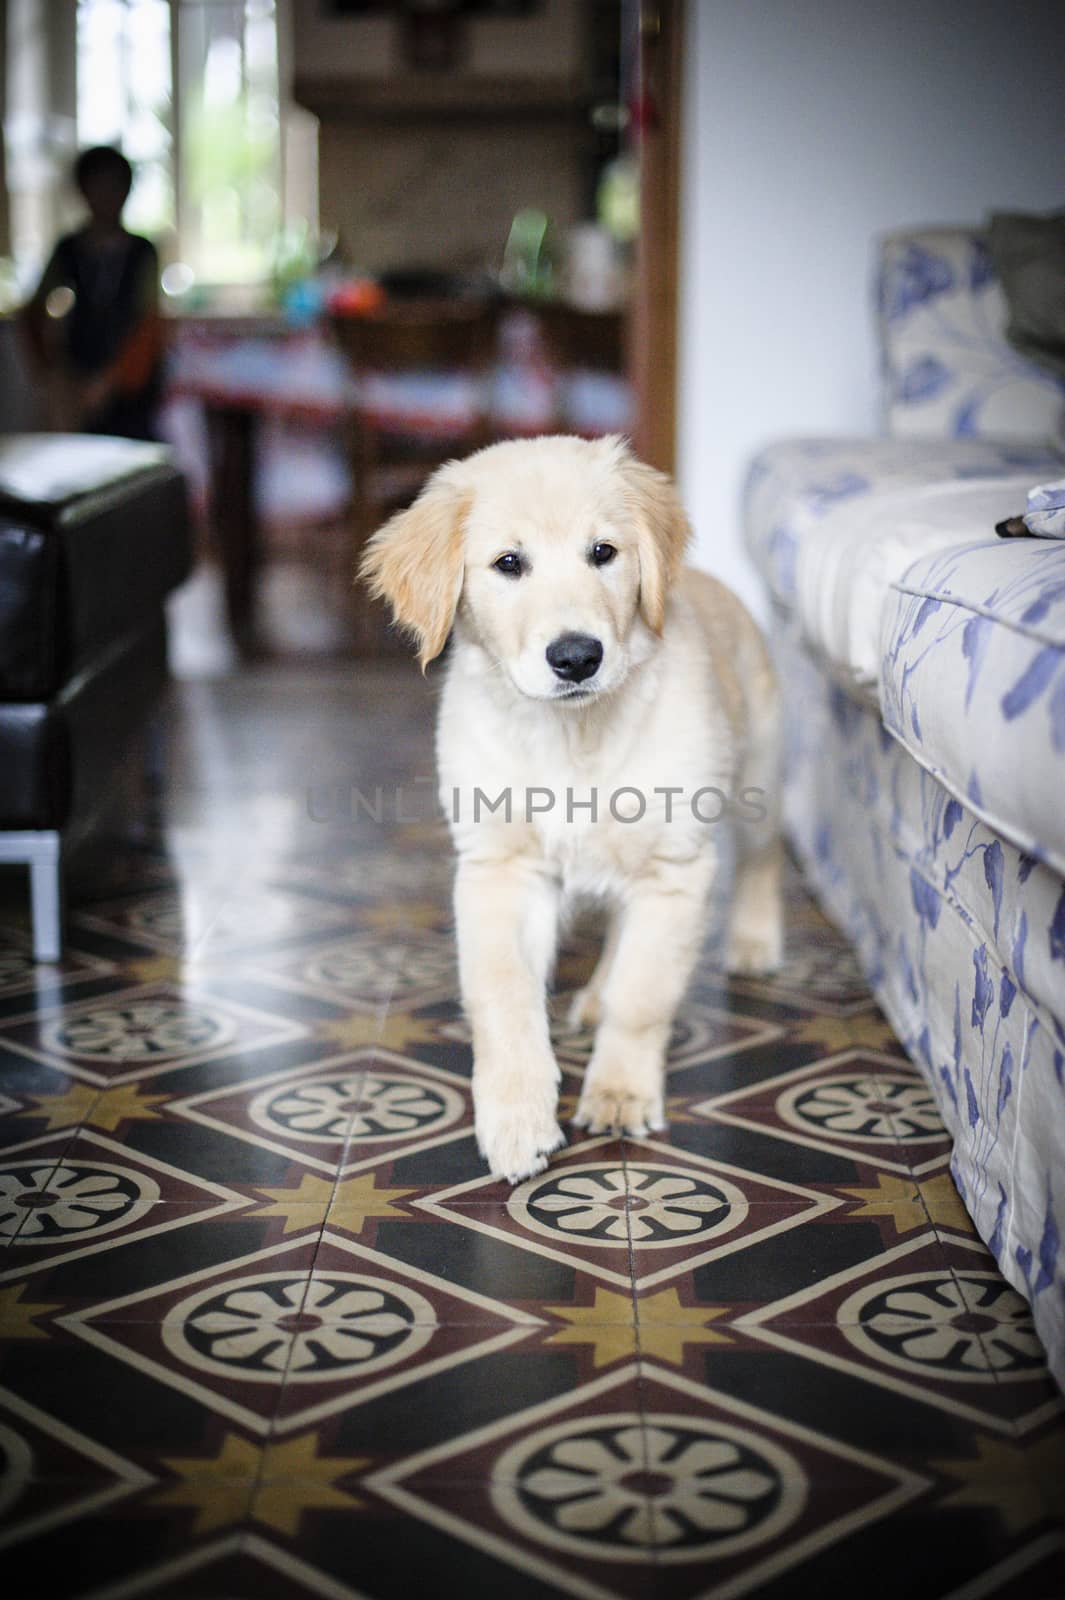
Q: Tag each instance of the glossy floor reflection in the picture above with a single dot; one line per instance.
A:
(267, 1329)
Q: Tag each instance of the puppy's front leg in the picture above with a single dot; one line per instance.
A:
(659, 940)
(507, 918)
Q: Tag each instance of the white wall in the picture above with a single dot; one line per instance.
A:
(811, 126)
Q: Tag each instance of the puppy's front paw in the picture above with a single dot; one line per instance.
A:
(616, 1106)
(517, 1141)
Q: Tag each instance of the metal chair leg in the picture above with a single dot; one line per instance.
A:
(46, 891)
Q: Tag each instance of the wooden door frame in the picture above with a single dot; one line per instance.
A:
(653, 330)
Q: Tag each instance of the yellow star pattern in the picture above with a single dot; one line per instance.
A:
(156, 969)
(608, 1326)
(296, 1479)
(944, 1204)
(910, 1207)
(16, 1316)
(218, 1491)
(401, 915)
(867, 1031)
(293, 1480)
(893, 1197)
(106, 1109)
(355, 1199)
(397, 1030)
(1005, 1477)
(66, 1110)
(665, 1326)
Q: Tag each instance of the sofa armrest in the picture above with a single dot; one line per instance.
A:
(948, 370)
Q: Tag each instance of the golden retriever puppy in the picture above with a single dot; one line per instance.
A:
(603, 707)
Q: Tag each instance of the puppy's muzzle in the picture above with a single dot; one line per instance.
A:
(573, 657)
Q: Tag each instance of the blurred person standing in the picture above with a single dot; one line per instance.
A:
(93, 323)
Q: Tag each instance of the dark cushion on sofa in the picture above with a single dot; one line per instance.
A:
(93, 536)
(57, 759)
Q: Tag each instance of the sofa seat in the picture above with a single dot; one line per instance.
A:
(797, 485)
(94, 535)
(88, 553)
(973, 685)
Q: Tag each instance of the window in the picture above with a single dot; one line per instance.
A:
(209, 159)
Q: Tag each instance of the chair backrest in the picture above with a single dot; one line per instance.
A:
(592, 339)
(948, 368)
(420, 335)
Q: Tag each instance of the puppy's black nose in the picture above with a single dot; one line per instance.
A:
(574, 656)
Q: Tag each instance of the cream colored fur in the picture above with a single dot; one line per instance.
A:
(684, 698)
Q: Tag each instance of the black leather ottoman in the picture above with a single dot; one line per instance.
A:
(94, 534)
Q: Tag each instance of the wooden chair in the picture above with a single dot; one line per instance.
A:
(410, 362)
(581, 341)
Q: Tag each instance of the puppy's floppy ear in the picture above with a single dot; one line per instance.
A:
(662, 530)
(415, 563)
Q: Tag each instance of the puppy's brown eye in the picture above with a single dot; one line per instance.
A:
(602, 554)
(509, 565)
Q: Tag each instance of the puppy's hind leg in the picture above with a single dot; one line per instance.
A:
(756, 921)
(659, 938)
(586, 1007)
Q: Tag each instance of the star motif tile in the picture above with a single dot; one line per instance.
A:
(646, 1218)
(372, 971)
(927, 1319)
(62, 1199)
(355, 1109)
(201, 924)
(50, 1474)
(335, 1323)
(142, 1031)
(857, 1103)
(577, 1494)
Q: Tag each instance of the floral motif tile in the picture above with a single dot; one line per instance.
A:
(582, 1494)
(140, 1032)
(341, 1115)
(856, 1103)
(61, 1200)
(371, 972)
(334, 1326)
(950, 1332)
(642, 1219)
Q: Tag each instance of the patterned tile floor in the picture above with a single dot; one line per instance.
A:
(267, 1329)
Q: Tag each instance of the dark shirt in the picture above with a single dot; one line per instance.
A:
(114, 289)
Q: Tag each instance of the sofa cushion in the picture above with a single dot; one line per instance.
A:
(794, 487)
(93, 535)
(948, 367)
(844, 573)
(973, 682)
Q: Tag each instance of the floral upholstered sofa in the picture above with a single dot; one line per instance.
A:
(923, 662)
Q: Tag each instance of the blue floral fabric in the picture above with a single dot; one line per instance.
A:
(923, 664)
(973, 684)
(948, 368)
(793, 486)
(963, 938)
